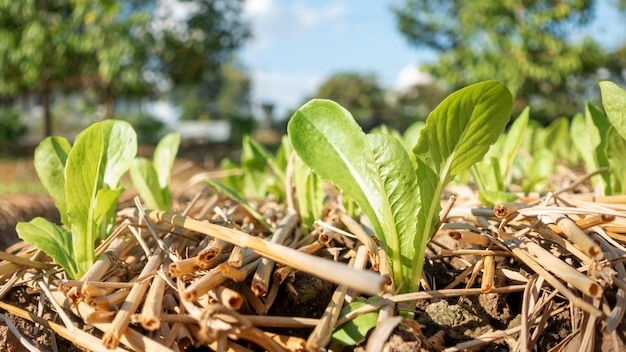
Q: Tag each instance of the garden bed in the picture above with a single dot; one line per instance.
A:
(480, 290)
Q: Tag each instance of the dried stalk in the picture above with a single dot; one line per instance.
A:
(261, 278)
(504, 210)
(100, 267)
(380, 335)
(28, 262)
(209, 281)
(212, 250)
(130, 337)
(577, 301)
(364, 281)
(231, 299)
(469, 237)
(74, 335)
(362, 236)
(111, 338)
(109, 302)
(152, 307)
(488, 280)
(320, 337)
(561, 269)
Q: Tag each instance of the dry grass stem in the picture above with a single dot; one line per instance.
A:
(112, 337)
(594, 220)
(28, 262)
(364, 281)
(236, 257)
(577, 236)
(231, 299)
(504, 210)
(261, 278)
(561, 269)
(152, 306)
(109, 302)
(528, 260)
(469, 237)
(489, 269)
(362, 236)
(380, 335)
(320, 336)
(456, 292)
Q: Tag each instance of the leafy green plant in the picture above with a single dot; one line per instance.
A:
(152, 178)
(490, 174)
(401, 201)
(589, 133)
(261, 174)
(614, 101)
(84, 181)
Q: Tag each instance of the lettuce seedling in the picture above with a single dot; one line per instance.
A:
(84, 181)
(401, 198)
(152, 179)
(491, 173)
(614, 101)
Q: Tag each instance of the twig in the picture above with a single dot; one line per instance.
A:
(364, 281)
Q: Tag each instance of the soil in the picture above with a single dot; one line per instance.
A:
(461, 319)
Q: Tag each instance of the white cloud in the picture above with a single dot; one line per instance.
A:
(257, 8)
(276, 21)
(409, 76)
(310, 17)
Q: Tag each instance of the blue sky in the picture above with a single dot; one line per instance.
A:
(298, 44)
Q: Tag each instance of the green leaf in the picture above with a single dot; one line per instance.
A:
(614, 101)
(597, 128)
(146, 181)
(356, 329)
(541, 167)
(253, 163)
(53, 240)
(557, 136)
(50, 160)
(397, 209)
(120, 144)
(615, 151)
(328, 139)
(309, 194)
(101, 154)
(458, 133)
(234, 182)
(104, 211)
(163, 159)
(461, 129)
(513, 141)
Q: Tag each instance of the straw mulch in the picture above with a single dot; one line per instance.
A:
(545, 273)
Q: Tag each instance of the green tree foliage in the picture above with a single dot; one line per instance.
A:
(418, 101)
(360, 94)
(224, 94)
(528, 45)
(129, 48)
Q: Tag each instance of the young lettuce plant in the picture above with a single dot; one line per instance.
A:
(490, 174)
(614, 101)
(401, 198)
(84, 181)
(152, 179)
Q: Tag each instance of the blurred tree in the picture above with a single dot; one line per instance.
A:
(129, 48)
(418, 101)
(528, 45)
(39, 49)
(224, 94)
(360, 94)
